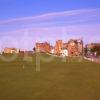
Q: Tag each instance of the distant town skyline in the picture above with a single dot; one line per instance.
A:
(25, 22)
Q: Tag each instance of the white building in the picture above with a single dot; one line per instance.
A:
(64, 52)
(52, 51)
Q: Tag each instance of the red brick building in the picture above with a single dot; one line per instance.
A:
(58, 47)
(43, 47)
(65, 45)
(75, 47)
(72, 48)
(92, 45)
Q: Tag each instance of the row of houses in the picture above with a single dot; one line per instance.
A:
(11, 50)
(74, 47)
(71, 48)
(16, 51)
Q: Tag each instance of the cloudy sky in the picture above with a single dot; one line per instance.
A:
(24, 22)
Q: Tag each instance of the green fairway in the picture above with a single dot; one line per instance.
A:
(57, 80)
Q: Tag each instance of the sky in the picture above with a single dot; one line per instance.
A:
(25, 22)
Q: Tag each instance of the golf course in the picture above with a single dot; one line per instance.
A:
(56, 79)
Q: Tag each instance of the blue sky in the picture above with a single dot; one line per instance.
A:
(24, 22)
(21, 8)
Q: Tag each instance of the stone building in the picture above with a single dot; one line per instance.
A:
(11, 50)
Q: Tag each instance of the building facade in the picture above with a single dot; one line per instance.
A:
(72, 48)
(75, 47)
(11, 50)
(43, 47)
(58, 47)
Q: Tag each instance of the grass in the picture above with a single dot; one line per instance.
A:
(56, 80)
